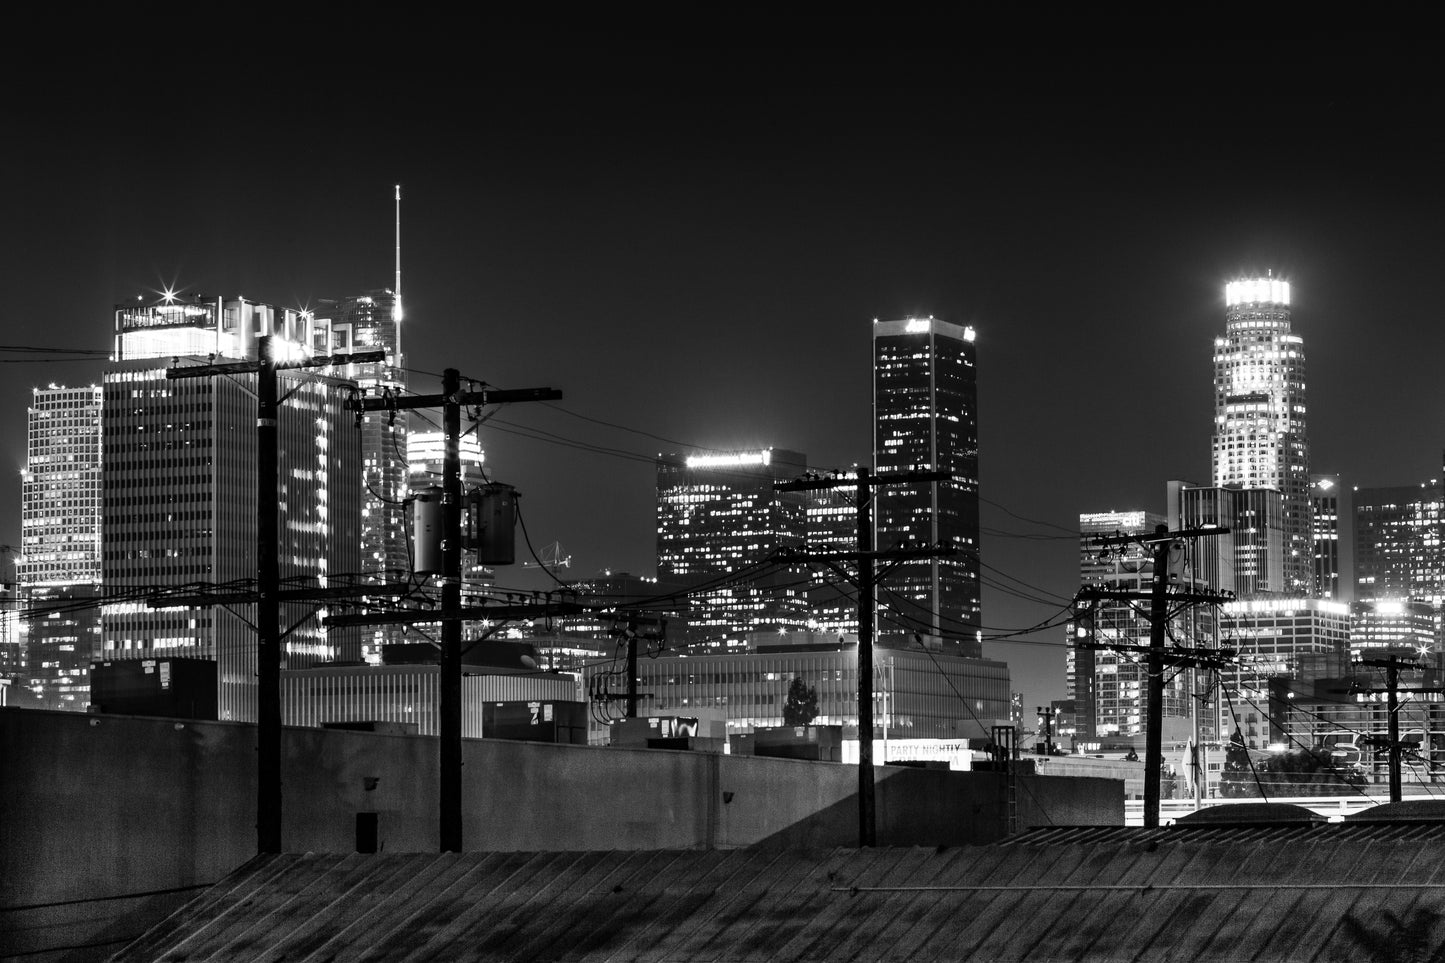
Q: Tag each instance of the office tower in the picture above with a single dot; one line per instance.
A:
(1300, 638)
(59, 569)
(1248, 559)
(720, 529)
(1399, 552)
(371, 322)
(1325, 516)
(1410, 626)
(180, 490)
(1109, 686)
(1259, 413)
(925, 418)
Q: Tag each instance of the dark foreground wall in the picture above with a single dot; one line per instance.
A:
(118, 818)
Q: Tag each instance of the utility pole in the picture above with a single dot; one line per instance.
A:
(639, 627)
(1392, 664)
(864, 484)
(1158, 597)
(268, 579)
(449, 696)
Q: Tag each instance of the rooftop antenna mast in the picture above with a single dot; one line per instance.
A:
(396, 288)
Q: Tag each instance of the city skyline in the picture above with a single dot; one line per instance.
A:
(709, 277)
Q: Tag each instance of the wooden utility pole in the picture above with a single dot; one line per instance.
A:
(1392, 664)
(268, 579)
(864, 484)
(449, 696)
(1158, 597)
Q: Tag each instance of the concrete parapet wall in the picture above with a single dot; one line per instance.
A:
(111, 806)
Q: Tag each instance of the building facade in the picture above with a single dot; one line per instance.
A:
(833, 527)
(1393, 624)
(925, 418)
(917, 694)
(1400, 542)
(1248, 559)
(1325, 516)
(372, 322)
(180, 489)
(1260, 416)
(408, 695)
(58, 572)
(1300, 638)
(721, 526)
(1106, 672)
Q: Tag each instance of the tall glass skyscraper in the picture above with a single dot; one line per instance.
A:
(1259, 413)
(925, 418)
(370, 322)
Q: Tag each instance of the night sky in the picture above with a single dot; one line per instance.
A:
(692, 245)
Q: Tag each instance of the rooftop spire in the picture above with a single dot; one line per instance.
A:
(396, 288)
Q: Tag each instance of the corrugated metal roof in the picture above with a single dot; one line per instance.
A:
(1288, 893)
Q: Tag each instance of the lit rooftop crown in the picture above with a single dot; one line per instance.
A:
(731, 460)
(1267, 290)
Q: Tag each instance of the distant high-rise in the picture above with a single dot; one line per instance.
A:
(1387, 624)
(1304, 638)
(180, 489)
(1400, 542)
(1106, 679)
(925, 418)
(1249, 559)
(1260, 416)
(720, 526)
(60, 566)
(1325, 517)
(833, 526)
(371, 322)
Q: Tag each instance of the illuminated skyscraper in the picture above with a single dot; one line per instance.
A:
(371, 322)
(1400, 543)
(180, 489)
(1325, 517)
(1106, 678)
(60, 568)
(925, 418)
(720, 525)
(1259, 413)
(1276, 638)
(833, 526)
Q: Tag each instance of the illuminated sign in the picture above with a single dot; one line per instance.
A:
(917, 325)
(730, 461)
(1256, 291)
